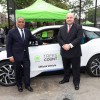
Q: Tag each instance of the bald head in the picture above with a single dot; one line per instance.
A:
(70, 18)
(20, 22)
(70, 14)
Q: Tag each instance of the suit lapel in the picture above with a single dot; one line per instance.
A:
(70, 29)
(18, 34)
(25, 33)
(65, 29)
(66, 33)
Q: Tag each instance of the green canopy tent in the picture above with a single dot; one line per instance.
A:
(42, 11)
(87, 23)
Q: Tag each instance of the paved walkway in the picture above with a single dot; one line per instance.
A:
(48, 88)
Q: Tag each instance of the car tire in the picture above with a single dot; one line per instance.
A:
(93, 66)
(7, 74)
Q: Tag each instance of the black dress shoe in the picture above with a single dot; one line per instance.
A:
(63, 81)
(20, 89)
(29, 88)
(76, 87)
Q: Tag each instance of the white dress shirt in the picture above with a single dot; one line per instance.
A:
(21, 32)
(68, 29)
(69, 26)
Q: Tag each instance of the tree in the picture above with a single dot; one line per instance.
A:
(58, 3)
(25, 3)
(75, 6)
(90, 14)
(4, 4)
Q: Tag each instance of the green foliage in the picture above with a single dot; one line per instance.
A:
(4, 4)
(4, 24)
(58, 3)
(90, 14)
(24, 3)
(65, 4)
(85, 4)
(98, 12)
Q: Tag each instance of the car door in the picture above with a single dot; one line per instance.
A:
(89, 46)
(45, 57)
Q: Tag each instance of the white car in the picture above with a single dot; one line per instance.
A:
(45, 58)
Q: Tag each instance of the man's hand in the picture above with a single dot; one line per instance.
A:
(12, 59)
(66, 47)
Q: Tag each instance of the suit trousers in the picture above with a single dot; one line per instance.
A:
(22, 67)
(75, 62)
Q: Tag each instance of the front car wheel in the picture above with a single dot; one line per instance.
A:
(7, 74)
(93, 66)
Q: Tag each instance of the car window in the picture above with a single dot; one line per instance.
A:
(98, 33)
(90, 35)
(49, 35)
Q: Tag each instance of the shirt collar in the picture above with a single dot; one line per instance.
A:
(20, 28)
(69, 25)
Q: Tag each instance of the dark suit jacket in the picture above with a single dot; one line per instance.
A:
(16, 46)
(74, 37)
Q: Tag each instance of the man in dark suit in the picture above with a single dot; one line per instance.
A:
(69, 38)
(17, 51)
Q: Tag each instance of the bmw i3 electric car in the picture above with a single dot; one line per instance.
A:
(46, 58)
